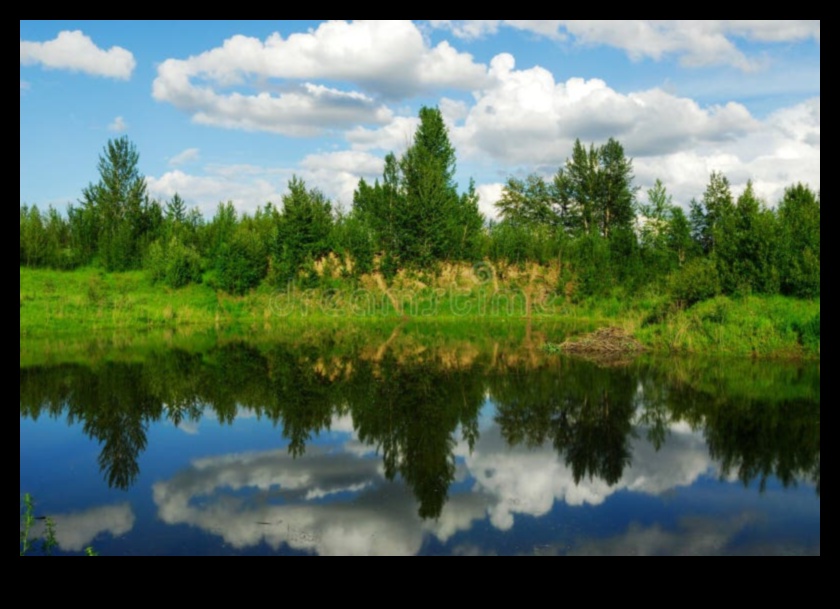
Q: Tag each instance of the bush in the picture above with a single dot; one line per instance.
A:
(695, 282)
(241, 264)
(809, 332)
(173, 264)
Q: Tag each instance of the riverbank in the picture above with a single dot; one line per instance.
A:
(59, 308)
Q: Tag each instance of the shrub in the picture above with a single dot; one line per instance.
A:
(695, 282)
(173, 263)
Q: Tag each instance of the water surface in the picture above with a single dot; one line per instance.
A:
(400, 449)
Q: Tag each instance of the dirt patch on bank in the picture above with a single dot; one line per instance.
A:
(606, 341)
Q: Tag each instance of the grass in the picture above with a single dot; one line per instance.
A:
(767, 327)
(61, 312)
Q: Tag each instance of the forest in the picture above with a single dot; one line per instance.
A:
(590, 220)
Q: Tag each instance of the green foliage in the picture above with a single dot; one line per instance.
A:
(241, 263)
(594, 190)
(747, 249)
(696, 281)
(586, 218)
(46, 542)
(799, 242)
(173, 263)
(355, 239)
(518, 243)
(116, 214)
(41, 545)
(528, 202)
(305, 226)
(809, 333)
(416, 212)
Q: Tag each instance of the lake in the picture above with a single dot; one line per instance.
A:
(403, 448)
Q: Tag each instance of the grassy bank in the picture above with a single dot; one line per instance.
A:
(60, 311)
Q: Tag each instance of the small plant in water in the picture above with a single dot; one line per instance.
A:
(38, 545)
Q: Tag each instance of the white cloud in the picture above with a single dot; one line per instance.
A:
(784, 149)
(524, 116)
(248, 187)
(337, 174)
(394, 137)
(24, 86)
(468, 29)
(189, 155)
(76, 52)
(118, 125)
(387, 59)
(305, 110)
(488, 196)
(694, 42)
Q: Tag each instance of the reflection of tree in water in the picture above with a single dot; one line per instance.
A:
(112, 404)
(411, 413)
(757, 439)
(412, 409)
(585, 411)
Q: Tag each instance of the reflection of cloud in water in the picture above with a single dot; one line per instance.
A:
(693, 537)
(75, 532)
(188, 427)
(528, 482)
(339, 503)
(380, 519)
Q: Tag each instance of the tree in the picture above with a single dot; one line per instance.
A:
(377, 206)
(116, 207)
(576, 188)
(416, 212)
(799, 250)
(527, 202)
(616, 195)
(428, 172)
(176, 210)
(654, 230)
(306, 222)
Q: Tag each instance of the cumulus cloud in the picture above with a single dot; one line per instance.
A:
(118, 125)
(394, 137)
(337, 174)
(386, 59)
(248, 187)
(189, 155)
(696, 43)
(525, 116)
(76, 52)
(488, 196)
(784, 149)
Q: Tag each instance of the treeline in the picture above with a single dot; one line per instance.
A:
(590, 218)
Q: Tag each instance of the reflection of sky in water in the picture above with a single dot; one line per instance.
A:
(206, 488)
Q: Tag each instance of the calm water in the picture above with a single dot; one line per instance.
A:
(281, 451)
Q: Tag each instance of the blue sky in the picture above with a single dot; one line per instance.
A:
(231, 110)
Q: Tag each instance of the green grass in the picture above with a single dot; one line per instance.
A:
(769, 327)
(88, 311)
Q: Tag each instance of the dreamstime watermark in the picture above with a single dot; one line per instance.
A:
(484, 299)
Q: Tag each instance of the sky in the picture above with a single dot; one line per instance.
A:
(231, 110)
